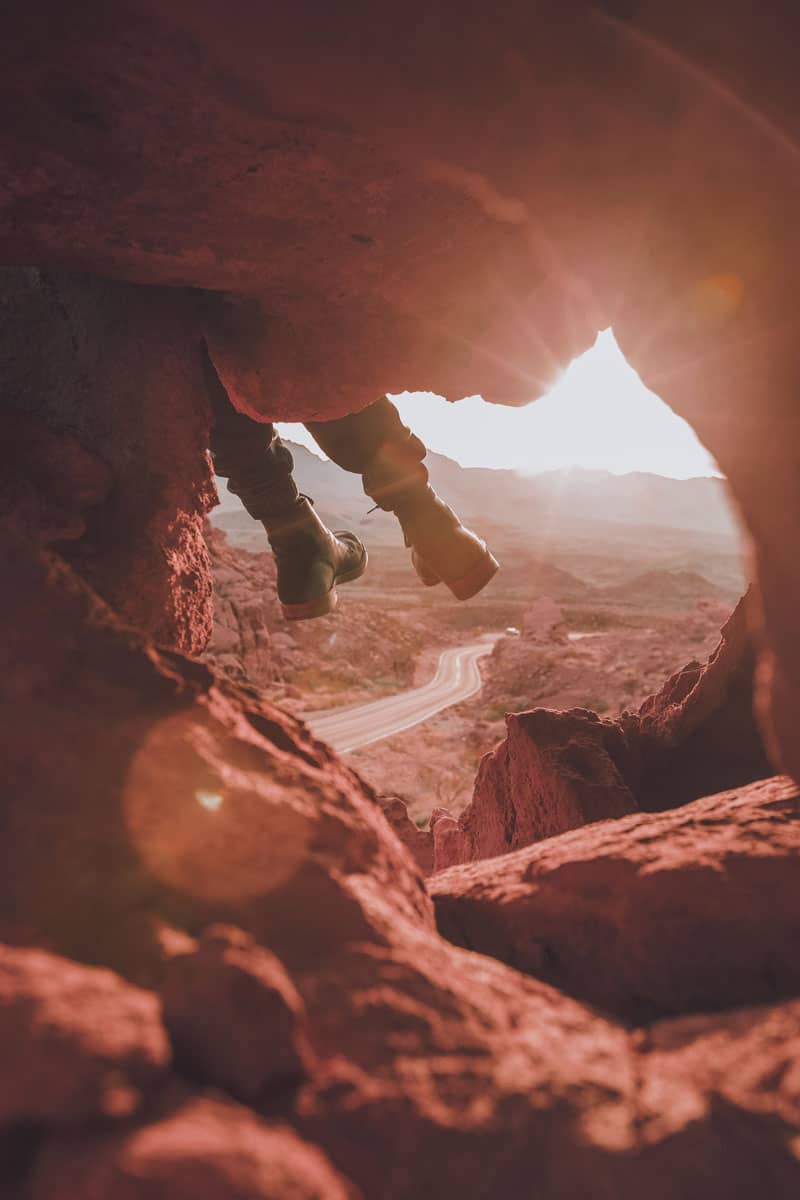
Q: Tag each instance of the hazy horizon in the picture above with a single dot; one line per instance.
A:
(597, 416)
(288, 434)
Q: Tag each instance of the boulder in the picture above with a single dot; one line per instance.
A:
(234, 1016)
(457, 1077)
(77, 1043)
(706, 1079)
(108, 437)
(556, 771)
(648, 916)
(206, 1149)
(419, 842)
(364, 194)
(143, 790)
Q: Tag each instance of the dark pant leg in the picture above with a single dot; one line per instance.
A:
(249, 454)
(375, 444)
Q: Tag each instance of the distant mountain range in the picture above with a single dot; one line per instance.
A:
(567, 501)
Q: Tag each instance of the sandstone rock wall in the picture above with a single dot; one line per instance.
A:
(327, 1040)
(556, 771)
(611, 913)
(105, 432)
(393, 206)
(390, 206)
(245, 612)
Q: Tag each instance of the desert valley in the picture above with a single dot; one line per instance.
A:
(608, 585)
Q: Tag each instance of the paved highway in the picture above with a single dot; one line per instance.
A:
(457, 678)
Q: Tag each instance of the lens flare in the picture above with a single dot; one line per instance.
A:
(212, 801)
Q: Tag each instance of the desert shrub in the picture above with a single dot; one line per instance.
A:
(390, 682)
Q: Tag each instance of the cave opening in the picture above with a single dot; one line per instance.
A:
(229, 966)
(620, 561)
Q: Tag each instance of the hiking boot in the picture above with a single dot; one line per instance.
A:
(311, 560)
(375, 444)
(442, 549)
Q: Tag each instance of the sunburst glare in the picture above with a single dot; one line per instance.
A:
(599, 415)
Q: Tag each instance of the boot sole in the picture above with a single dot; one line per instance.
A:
(323, 604)
(475, 580)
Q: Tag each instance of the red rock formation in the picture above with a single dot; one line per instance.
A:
(150, 810)
(78, 1044)
(656, 195)
(739, 1066)
(205, 1149)
(435, 1071)
(107, 443)
(698, 734)
(245, 610)
(372, 189)
(649, 916)
(556, 771)
(419, 842)
(234, 1016)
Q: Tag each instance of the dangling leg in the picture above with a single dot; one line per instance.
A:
(375, 444)
(311, 560)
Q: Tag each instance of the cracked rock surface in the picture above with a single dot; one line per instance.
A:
(361, 1052)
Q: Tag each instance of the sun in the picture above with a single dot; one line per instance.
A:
(597, 416)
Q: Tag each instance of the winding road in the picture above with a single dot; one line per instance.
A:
(457, 678)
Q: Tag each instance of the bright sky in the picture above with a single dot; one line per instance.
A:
(598, 415)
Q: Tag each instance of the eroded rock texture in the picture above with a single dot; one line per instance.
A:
(415, 1067)
(373, 1057)
(377, 199)
(202, 1149)
(146, 775)
(78, 1043)
(234, 1016)
(649, 916)
(245, 611)
(105, 432)
(556, 771)
(419, 842)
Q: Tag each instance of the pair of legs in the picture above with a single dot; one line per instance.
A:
(311, 560)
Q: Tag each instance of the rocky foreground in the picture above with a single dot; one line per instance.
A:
(225, 977)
